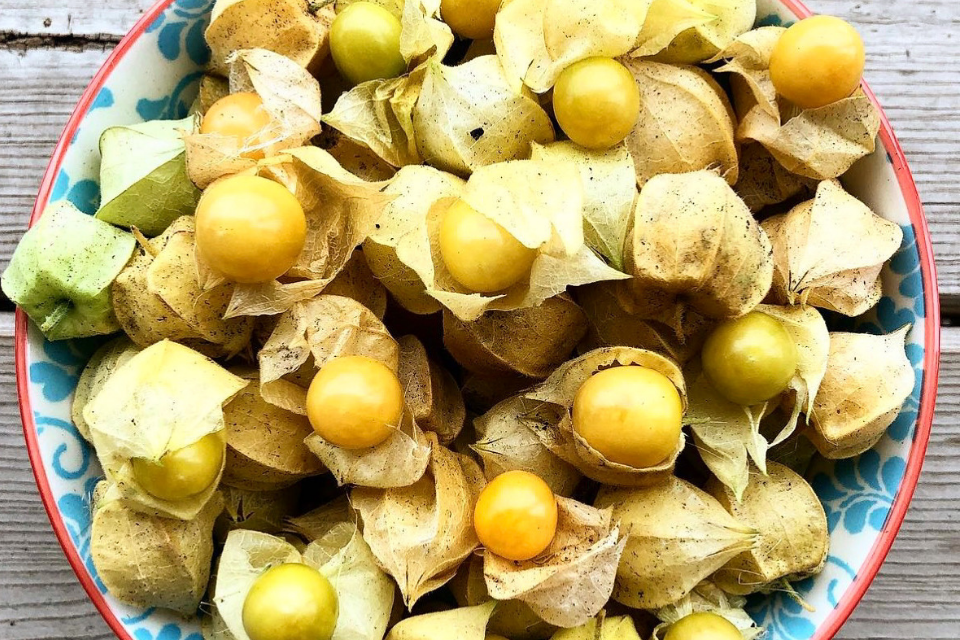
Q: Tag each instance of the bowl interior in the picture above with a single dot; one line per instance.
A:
(154, 74)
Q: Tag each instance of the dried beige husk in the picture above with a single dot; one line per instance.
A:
(149, 561)
(867, 380)
(211, 89)
(609, 192)
(423, 35)
(537, 39)
(677, 535)
(165, 398)
(691, 31)
(364, 592)
(291, 96)
(430, 391)
(794, 539)
(531, 342)
(464, 623)
(551, 418)
(315, 524)
(708, 597)
(572, 579)
(482, 392)
(694, 244)
(814, 261)
(601, 627)
(763, 181)
(505, 442)
(421, 533)
(686, 123)
(265, 449)
(358, 282)
(469, 116)
(295, 29)
(102, 364)
(264, 511)
(354, 157)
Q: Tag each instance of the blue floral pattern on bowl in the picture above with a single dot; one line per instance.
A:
(157, 78)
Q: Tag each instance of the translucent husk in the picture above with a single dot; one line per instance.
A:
(531, 342)
(102, 364)
(694, 244)
(354, 157)
(482, 392)
(158, 296)
(702, 28)
(868, 378)
(264, 511)
(794, 539)
(165, 398)
(686, 123)
(601, 627)
(464, 623)
(291, 96)
(814, 261)
(265, 449)
(431, 393)
(358, 282)
(505, 442)
(292, 28)
(421, 533)
(423, 35)
(708, 597)
(364, 592)
(763, 181)
(143, 175)
(315, 524)
(677, 535)
(469, 116)
(149, 561)
(572, 579)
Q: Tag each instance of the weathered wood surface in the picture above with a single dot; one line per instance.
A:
(48, 52)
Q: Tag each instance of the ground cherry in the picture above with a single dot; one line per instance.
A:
(355, 402)
(250, 229)
(817, 62)
(479, 253)
(632, 415)
(751, 359)
(703, 626)
(365, 43)
(290, 602)
(596, 102)
(473, 19)
(241, 116)
(516, 516)
(183, 473)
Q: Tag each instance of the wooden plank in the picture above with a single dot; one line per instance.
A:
(24, 21)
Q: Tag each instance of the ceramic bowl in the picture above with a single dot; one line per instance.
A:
(153, 73)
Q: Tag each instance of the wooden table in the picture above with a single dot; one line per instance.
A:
(48, 52)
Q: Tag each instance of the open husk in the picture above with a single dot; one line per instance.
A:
(601, 627)
(315, 524)
(686, 123)
(572, 579)
(763, 181)
(102, 364)
(531, 342)
(815, 262)
(694, 244)
(691, 31)
(150, 561)
(421, 533)
(867, 380)
(464, 623)
(431, 393)
(265, 449)
(677, 535)
(354, 157)
(551, 416)
(423, 35)
(358, 282)
(708, 597)
(158, 297)
(792, 525)
(482, 392)
(264, 511)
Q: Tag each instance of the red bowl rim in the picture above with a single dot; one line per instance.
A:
(931, 364)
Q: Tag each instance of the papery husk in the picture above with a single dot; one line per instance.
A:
(158, 296)
(264, 511)
(211, 89)
(794, 540)
(601, 627)
(552, 418)
(686, 123)
(796, 452)
(482, 392)
(149, 561)
(423, 35)
(378, 115)
(531, 342)
(104, 362)
(292, 28)
(609, 192)
(291, 96)
(465, 623)
(505, 442)
(421, 533)
(358, 282)
(763, 181)
(677, 535)
(694, 244)
(430, 392)
(867, 380)
(469, 116)
(265, 449)
(354, 157)
(537, 39)
(814, 261)
(316, 523)
(708, 597)
(712, 27)
(319, 329)
(143, 175)
(572, 579)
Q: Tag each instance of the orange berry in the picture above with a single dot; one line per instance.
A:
(516, 516)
